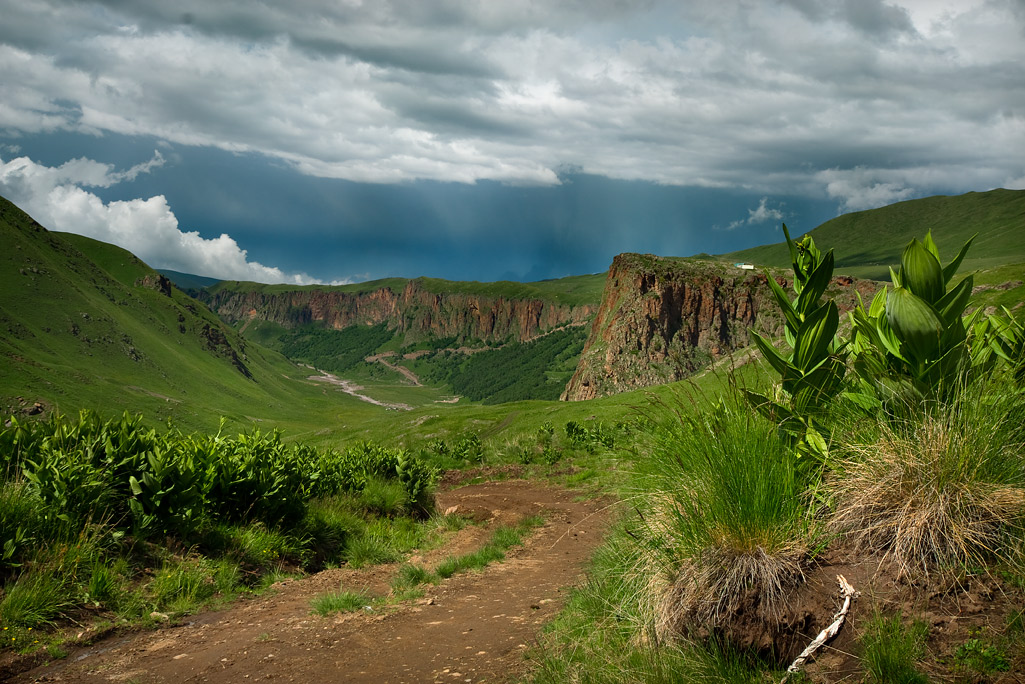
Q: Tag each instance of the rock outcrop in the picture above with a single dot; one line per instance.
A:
(414, 311)
(662, 319)
(155, 281)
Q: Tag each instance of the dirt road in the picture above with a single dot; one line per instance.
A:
(473, 627)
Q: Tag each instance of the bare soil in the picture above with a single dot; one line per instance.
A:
(473, 627)
(956, 609)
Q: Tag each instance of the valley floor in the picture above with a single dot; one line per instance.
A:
(473, 627)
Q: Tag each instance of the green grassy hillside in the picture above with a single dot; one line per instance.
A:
(84, 324)
(867, 243)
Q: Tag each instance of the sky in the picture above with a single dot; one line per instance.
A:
(337, 141)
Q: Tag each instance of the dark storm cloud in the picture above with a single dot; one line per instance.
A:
(851, 102)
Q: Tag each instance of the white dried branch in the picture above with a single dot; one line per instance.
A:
(848, 594)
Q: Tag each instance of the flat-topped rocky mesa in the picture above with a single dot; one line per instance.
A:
(662, 319)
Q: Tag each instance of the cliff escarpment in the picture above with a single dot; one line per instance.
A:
(662, 319)
(411, 310)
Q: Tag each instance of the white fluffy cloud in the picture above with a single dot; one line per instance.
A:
(766, 96)
(55, 196)
(760, 214)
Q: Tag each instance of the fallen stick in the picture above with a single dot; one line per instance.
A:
(848, 593)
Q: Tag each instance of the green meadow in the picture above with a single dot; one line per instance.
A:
(850, 437)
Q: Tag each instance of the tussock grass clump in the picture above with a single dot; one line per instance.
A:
(942, 488)
(730, 527)
(384, 497)
(411, 575)
(369, 549)
(596, 639)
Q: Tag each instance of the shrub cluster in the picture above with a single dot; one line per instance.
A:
(66, 474)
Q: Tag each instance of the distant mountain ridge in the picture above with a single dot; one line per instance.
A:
(413, 311)
(187, 281)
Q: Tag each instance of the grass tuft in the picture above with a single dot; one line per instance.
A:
(940, 489)
(730, 524)
(181, 586)
(369, 549)
(37, 599)
(340, 602)
(387, 498)
(892, 650)
(412, 575)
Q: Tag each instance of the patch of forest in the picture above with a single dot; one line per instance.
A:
(530, 370)
(335, 351)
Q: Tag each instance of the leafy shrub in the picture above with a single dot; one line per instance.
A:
(469, 448)
(255, 477)
(812, 373)
(168, 495)
(980, 658)
(914, 342)
(21, 524)
(418, 479)
(590, 438)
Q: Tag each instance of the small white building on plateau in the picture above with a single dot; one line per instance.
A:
(746, 267)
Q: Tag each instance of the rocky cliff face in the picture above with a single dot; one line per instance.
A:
(662, 319)
(412, 311)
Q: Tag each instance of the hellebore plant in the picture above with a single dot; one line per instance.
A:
(812, 373)
(913, 340)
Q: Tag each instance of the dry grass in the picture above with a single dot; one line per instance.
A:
(722, 587)
(946, 490)
(733, 581)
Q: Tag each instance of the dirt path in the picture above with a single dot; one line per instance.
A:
(473, 627)
(405, 372)
(351, 388)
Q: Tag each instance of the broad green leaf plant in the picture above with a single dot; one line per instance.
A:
(912, 342)
(812, 373)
